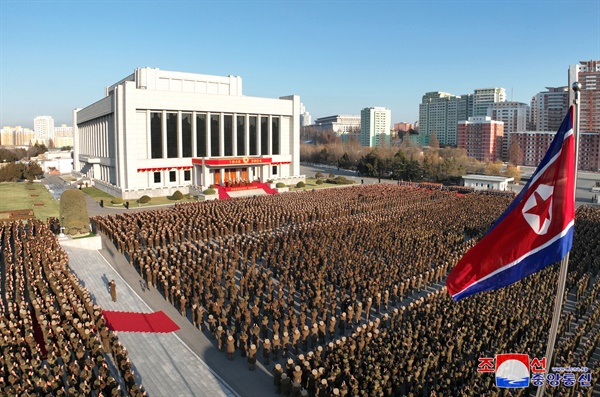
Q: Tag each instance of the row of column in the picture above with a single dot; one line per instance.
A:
(94, 138)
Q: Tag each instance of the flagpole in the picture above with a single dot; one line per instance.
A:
(562, 276)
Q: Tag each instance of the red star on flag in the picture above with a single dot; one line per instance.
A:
(541, 209)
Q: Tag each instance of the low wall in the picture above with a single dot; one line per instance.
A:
(88, 243)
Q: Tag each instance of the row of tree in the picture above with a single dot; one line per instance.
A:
(13, 172)
(16, 154)
(405, 162)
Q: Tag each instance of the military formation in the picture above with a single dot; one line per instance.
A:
(339, 292)
(55, 341)
(319, 287)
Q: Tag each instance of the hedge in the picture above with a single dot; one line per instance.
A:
(340, 180)
(280, 185)
(177, 195)
(319, 181)
(300, 184)
(144, 199)
(73, 212)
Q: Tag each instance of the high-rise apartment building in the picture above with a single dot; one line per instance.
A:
(43, 126)
(514, 115)
(588, 74)
(439, 114)
(483, 98)
(305, 117)
(15, 136)
(375, 123)
(481, 137)
(548, 109)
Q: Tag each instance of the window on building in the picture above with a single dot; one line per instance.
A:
(241, 134)
(157, 177)
(274, 170)
(156, 135)
(172, 176)
(264, 135)
(253, 136)
(187, 175)
(214, 135)
(228, 131)
(186, 134)
(275, 135)
(201, 135)
(172, 147)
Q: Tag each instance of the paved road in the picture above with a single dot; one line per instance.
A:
(164, 364)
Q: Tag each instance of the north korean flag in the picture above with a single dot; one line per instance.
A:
(535, 231)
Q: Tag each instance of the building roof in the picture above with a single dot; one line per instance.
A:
(488, 178)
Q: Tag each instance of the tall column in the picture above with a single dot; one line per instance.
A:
(148, 135)
(222, 176)
(234, 129)
(270, 127)
(247, 135)
(221, 134)
(258, 136)
(179, 136)
(208, 132)
(163, 135)
(194, 137)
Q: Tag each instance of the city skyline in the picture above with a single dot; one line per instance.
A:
(339, 58)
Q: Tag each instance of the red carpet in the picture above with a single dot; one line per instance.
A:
(139, 322)
(222, 192)
(266, 188)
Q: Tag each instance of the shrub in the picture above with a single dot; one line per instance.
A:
(340, 180)
(332, 175)
(280, 185)
(73, 212)
(300, 184)
(318, 175)
(177, 195)
(144, 199)
(210, 191)
(117, 200)
(319, 181)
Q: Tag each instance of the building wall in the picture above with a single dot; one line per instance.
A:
(374, 126)
(481, 137)
(548, 109)
(114, 136)
(439, 113)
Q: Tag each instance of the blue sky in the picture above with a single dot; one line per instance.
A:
(339, 56)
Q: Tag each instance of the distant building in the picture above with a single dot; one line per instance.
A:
(481, 137)
(375, 125)
(535, 144)
(483, 98)
(439, 114)
(16, 136)
(155, 132)
(403, 127)
(63, 136)
(486, 182)
(305, 117)
(548, 109)
(56, 162)
(588, 74)
(43, 126)
(340, 124)
(514, 115)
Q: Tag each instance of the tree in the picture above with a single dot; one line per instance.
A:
(513, 171)
(515, 156)
(433, 141)
(494, 168)
(344, 161)
(11, 172)
(33, 171)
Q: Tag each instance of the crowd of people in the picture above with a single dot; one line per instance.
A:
(54, 339)
(337, 292)
(322, 278)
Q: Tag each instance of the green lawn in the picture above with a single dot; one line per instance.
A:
(98, 195)
(311, 183)
(18, 196)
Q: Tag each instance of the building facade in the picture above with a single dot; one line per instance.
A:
(305, 117)
(535, 144)
(155, 132)
(340, 124)
(16, 136)
(486, 182)
(43, 127)
(375, 125)
(548, 109)
(403, 127)
(483, 98)
(481, 137)
(439, 114)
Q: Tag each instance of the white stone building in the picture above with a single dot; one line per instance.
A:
(487, 182)
(156, 131)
